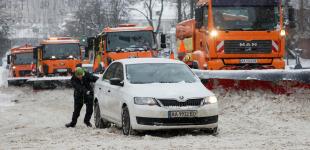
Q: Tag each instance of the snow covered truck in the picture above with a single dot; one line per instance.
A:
(124, 41)
(237, 43)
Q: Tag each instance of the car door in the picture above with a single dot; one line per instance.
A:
(116, 94)
(104, 96)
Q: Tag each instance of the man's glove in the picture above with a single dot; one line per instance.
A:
(88, 92)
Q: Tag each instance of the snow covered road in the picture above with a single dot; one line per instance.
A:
(248, 120)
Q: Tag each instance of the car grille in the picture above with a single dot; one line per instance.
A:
(175, 103)
(23, 73)
(248, 47)
(177, 121)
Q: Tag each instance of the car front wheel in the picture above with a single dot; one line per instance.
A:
(126, 125)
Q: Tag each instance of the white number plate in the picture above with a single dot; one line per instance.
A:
(62, 70)
(248, 61)
(182, 114)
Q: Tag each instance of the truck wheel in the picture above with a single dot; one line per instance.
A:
(99, 121)
(126, 125)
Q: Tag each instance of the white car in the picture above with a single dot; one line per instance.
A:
(153, 94)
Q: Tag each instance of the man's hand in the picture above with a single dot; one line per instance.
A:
(88, 92)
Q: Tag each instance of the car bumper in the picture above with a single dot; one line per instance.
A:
(156, 118)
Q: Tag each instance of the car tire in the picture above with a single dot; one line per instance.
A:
(126, 125)
(99, 121)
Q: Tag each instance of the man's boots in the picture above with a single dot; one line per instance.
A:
(88, 124)
(70, 125)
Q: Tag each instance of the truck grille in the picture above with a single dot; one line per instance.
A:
(248, 47)
(175, 103)
(23, 73)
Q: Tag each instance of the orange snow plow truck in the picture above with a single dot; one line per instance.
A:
(125, 41)
(239, 44)
(56, 59)
(21, 64)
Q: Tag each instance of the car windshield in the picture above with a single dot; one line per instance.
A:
(23, 58)
(159, 73)
(61, 51)
(242, 18)
(130, 41)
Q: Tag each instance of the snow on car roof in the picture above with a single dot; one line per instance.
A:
(148, 60)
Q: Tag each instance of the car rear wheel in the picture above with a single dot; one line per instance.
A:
(99, 121)
(126, 125)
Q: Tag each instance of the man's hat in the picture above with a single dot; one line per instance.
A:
(79, 71)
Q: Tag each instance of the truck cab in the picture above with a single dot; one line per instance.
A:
(57, 56)
(125, 41)
(20, 61)
(234, 34)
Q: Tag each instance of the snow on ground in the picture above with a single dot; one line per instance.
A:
(248, 120)
(292, 62)
(3, 77)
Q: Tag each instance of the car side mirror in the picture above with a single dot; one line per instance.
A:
(8, 59)
(116, 81)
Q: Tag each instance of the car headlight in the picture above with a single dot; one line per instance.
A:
(145, 101)
(210, 100)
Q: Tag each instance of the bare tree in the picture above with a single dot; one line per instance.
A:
(93, 15)
(4, 29)
(149, 12)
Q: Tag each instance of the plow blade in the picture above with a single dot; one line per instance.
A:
(49, 82)
(18, 81)
(277, 81)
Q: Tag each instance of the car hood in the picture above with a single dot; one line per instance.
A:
(170, 90)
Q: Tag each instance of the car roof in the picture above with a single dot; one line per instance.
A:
(148, 61)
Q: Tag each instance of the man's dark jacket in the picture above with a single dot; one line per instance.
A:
(82, 86)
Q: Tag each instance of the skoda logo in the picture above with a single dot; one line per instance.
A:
(181, 97)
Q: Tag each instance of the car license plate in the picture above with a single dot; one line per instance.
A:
(62, 70)
(182, 114)
(248, 61)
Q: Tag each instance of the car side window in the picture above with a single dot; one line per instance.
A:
(119, 72)
(109, 73)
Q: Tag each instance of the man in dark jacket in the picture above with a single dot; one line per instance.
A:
(83, 94)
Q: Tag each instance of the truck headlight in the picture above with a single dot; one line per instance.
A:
(210, 100)
(214, 33)
(14, 67)
(283, 33)
(145, 101)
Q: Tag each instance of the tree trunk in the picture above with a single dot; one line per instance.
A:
(160, 15)
(192, 5)
(179, 5)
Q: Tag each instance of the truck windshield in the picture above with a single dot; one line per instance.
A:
(23, 58)
(130, 41)
(61, 51)
(246, 17)
(159, 73)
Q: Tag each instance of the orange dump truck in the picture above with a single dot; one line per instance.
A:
(233, 35)
(21, 61)
(57, 56)
(125, 41)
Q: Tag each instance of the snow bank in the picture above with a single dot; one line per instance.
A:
(3, 77)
